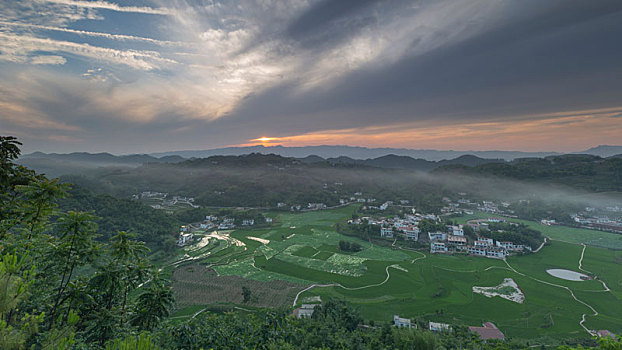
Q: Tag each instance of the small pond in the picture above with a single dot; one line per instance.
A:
(568, 275)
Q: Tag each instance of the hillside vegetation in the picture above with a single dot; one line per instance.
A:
(586, 172)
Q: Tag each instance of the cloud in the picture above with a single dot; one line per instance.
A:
(94, 34)
(18, 48)
(105, 5)
(556, 132)
(48, 59)
(212, 73)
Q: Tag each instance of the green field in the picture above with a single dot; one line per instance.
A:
(381, 281)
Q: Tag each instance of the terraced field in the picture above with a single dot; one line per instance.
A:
(301, 249)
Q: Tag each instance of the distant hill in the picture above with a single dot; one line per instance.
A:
(393, 161)
(55, 164)
(353, 152)
(103, 158)
(589, 172)
(604, 151)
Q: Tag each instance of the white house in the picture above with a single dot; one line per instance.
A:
(439, 327)
(206, 225)
(458, 240)
(457, 230)
(412, 232)
(438, 247)
(401, 322)
(184, 238)
(484, 242)
(248, 222)
(481, 251)
(495, 253)
(437, 236)
(305, 310)
(386, 232)
(268, 220)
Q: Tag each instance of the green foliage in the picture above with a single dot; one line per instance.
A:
(246, 294)
(517, 233)
(154, 227)
(143, 341)
(349, 246)
(581, 171)
(153, 305)
(15, 280)
(83, 292)
(427, 225)
(334, 325)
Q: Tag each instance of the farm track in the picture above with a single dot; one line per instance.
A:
(591, 273)
(344, 287)
(546, 239)
(581, 323)
(410, 250)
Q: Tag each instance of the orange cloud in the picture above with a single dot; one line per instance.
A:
(570, 131)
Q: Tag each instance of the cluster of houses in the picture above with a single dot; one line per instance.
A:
(466, 206)
(588, 219)
(166, 202)
(488, 330)
(444, 243)
(406, 227)
(213, 222)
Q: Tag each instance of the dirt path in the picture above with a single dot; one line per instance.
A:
(546, 239)
(581, 323)
(591, 273)
(347, 288)
(410, 250)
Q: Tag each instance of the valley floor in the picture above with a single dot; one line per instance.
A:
(297, 261)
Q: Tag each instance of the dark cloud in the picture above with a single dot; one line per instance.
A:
(563, 57)
(330, 21)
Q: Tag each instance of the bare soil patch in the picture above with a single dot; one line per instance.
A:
(198, 285)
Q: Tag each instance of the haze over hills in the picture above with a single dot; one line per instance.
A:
(604, 151)
(55, 164)
(327, 151)
(61, 164)
(355, 152)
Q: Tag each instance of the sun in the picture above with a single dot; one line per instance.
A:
(264, 139)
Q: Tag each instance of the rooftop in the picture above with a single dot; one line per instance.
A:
(489, 331)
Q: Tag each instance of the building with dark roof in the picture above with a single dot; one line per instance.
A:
(488, 331)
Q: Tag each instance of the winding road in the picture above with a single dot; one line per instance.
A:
(395, 266)
(581, 323)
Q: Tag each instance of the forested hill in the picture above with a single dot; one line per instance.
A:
(587, 172)
(154, 227)
(54, 165)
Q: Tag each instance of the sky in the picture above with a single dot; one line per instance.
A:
(160, 75)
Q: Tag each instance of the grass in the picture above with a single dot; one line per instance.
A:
(303, 250)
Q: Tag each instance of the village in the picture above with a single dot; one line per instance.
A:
(591, 219)
(161, 200)
(214, 222)
(446, 239)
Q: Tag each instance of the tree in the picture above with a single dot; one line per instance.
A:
(153, 305)
(15, 280)
(246, 294)
(75, 248)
